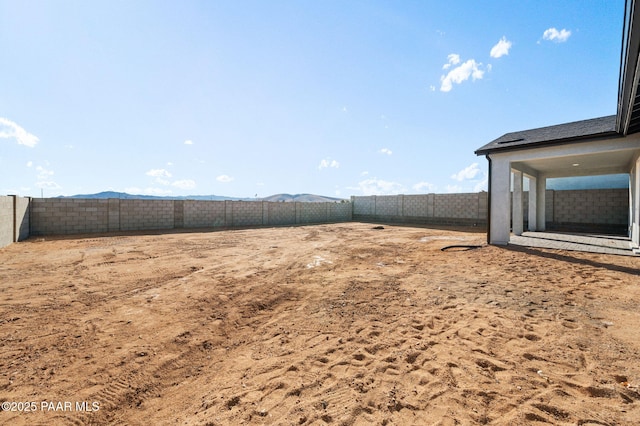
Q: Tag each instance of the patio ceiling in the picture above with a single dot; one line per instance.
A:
(602, 163)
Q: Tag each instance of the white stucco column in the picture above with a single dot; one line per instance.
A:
(533, 203)
(541, 193)
(634, 204)
(516, 204)
(500, 197)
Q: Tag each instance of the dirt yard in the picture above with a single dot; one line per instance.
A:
(330, 324)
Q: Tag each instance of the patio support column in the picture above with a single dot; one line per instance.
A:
(533, 201)
(500, 197)
(516, 204)
(541, 191)
(634, 204)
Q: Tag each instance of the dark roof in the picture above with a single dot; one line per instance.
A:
(603, 127)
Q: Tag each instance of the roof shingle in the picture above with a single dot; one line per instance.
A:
(552, 135)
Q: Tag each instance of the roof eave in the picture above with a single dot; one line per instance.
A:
(584, 138)
(629, 72)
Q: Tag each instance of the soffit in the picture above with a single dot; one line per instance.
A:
(580, 165)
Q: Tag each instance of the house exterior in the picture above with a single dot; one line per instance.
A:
(599, 146)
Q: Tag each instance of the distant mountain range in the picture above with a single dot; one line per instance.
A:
(558, 184)
(305, 198)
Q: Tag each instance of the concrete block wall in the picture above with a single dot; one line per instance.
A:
(22, 227)
(588, 207)
(340, 212)
(311, 212)
(418, 205)
(602, 206)
(246, 213)
(113, 215)
(21, 217)
(584, 207)
(460, 206)
(6, 221)
(75, 216)
(281, 213)
(204, 214)
(453, 209)
(388, 205)
(68, 216)
(364, 206)
(146, 214)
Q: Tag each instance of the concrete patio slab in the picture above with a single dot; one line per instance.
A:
(594, 243)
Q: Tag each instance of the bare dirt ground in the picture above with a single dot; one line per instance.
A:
(330, 324)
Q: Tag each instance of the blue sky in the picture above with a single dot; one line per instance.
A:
(245, 98)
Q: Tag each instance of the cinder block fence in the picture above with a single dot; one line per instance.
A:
(73, 215)
(21, 217)
(468, 209)
(14, 219)
(596, 210)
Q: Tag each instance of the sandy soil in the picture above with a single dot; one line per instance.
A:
(330, 324)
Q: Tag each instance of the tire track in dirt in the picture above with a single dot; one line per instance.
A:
(231, 328)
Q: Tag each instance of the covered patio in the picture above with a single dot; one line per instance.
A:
(599, 146)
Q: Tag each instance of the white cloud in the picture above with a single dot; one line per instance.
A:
(556, 36)
(461, 73)
(188, 142)
(432, 88)
(385, 151)
(156, 191)
(424, 187)
(376, 186)
(454, 189)
(501, 49)
(365, 173)
(328, 164)
(224, 178)
(159, 173)
(44, 180)
(147, 191)
(469, 172)
(184, 184)
(29, 163)
(49, 184)
(43, 173)
(10, 130)
(483, 185)
(452, 59)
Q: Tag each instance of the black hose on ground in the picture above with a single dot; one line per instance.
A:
(464, 247)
